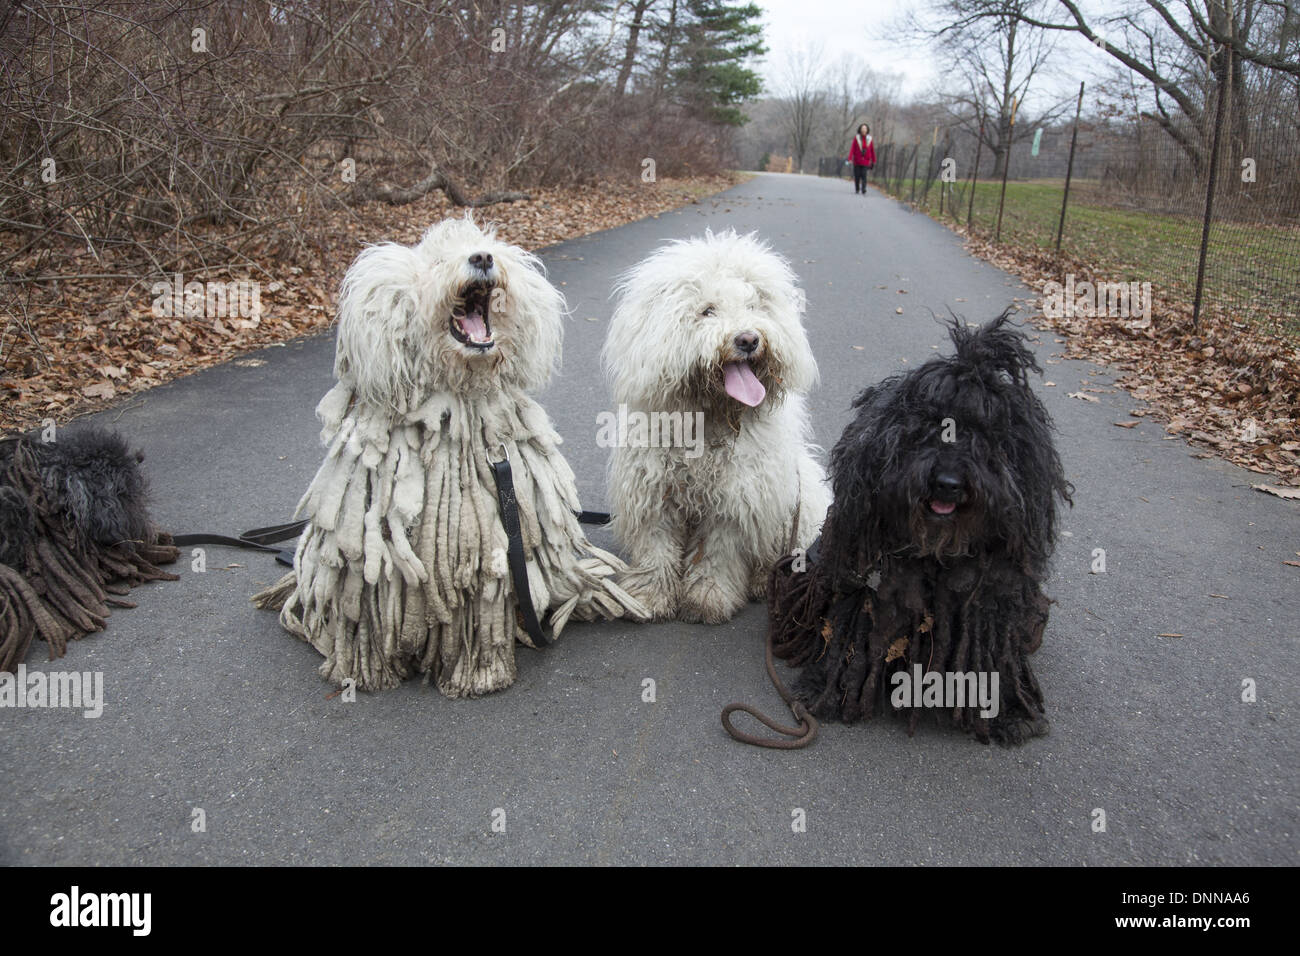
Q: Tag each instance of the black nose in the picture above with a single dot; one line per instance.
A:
(947, 484)
(747, 342)
(481, 261)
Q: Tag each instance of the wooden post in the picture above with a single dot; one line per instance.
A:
(1006, 168)
(1212, 180)
(1069, 169)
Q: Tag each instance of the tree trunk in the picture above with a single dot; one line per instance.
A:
(629, 56)
(665, 59)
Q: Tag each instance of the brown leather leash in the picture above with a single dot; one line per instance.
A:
(806, 732)
(801, 736)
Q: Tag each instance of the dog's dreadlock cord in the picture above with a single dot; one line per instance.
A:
(802, 735)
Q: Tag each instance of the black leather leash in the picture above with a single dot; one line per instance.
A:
(258, 539)
(509, 505)
(515, 551)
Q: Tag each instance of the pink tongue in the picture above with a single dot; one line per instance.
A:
(942, 507)
(474, 327)
(742, 384)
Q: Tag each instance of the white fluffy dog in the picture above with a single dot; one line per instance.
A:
(402, 567)
(710, 329)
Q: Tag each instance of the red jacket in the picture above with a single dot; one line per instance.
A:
(863, 156)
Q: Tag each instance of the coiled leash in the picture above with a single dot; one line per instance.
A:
(802, 735)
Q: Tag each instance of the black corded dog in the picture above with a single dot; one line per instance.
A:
(75, 536)
(933, 554)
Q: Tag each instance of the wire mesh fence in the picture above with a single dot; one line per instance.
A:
(1136, 207)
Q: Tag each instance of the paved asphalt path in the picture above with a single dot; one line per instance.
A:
(210, 705)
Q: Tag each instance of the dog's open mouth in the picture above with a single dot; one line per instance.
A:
(742, 384)
(471, 316)
(942, 507)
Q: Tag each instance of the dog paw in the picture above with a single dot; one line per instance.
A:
(707, 603)
(660, 604)
(1014, 731)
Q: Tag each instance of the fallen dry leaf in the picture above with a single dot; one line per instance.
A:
(103, 390)
(1292, 494)
(896, 649)
(1126, 424)
(1085, 397)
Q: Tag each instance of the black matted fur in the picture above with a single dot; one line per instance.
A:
(893, 583)
(75, 535)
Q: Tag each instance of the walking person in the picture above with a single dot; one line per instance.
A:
(863, 156)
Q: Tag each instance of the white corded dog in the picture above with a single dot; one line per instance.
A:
(403, 566)
(709, 330)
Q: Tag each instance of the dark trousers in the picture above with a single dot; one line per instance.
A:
(859, 178)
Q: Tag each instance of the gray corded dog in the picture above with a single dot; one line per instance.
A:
(403, 565)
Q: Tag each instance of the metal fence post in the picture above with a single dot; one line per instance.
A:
(943, 185)
(916, 155)
(929, 165)
(1209, 199)
(1006, 168)
(1069, 169)
(975, 175)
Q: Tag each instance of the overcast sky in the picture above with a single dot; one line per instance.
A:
(864, 27)
(844, 26)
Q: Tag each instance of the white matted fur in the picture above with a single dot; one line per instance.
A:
(701, 531)
(402, 567)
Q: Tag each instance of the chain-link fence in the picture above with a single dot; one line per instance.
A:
(1137, 203)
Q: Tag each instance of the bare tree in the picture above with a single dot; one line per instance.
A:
(636, 24)
(855, 94)
(801, 99)
(998, 60)
(882, 101)
(1184, 53)
(140, 125)
(846, 90)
